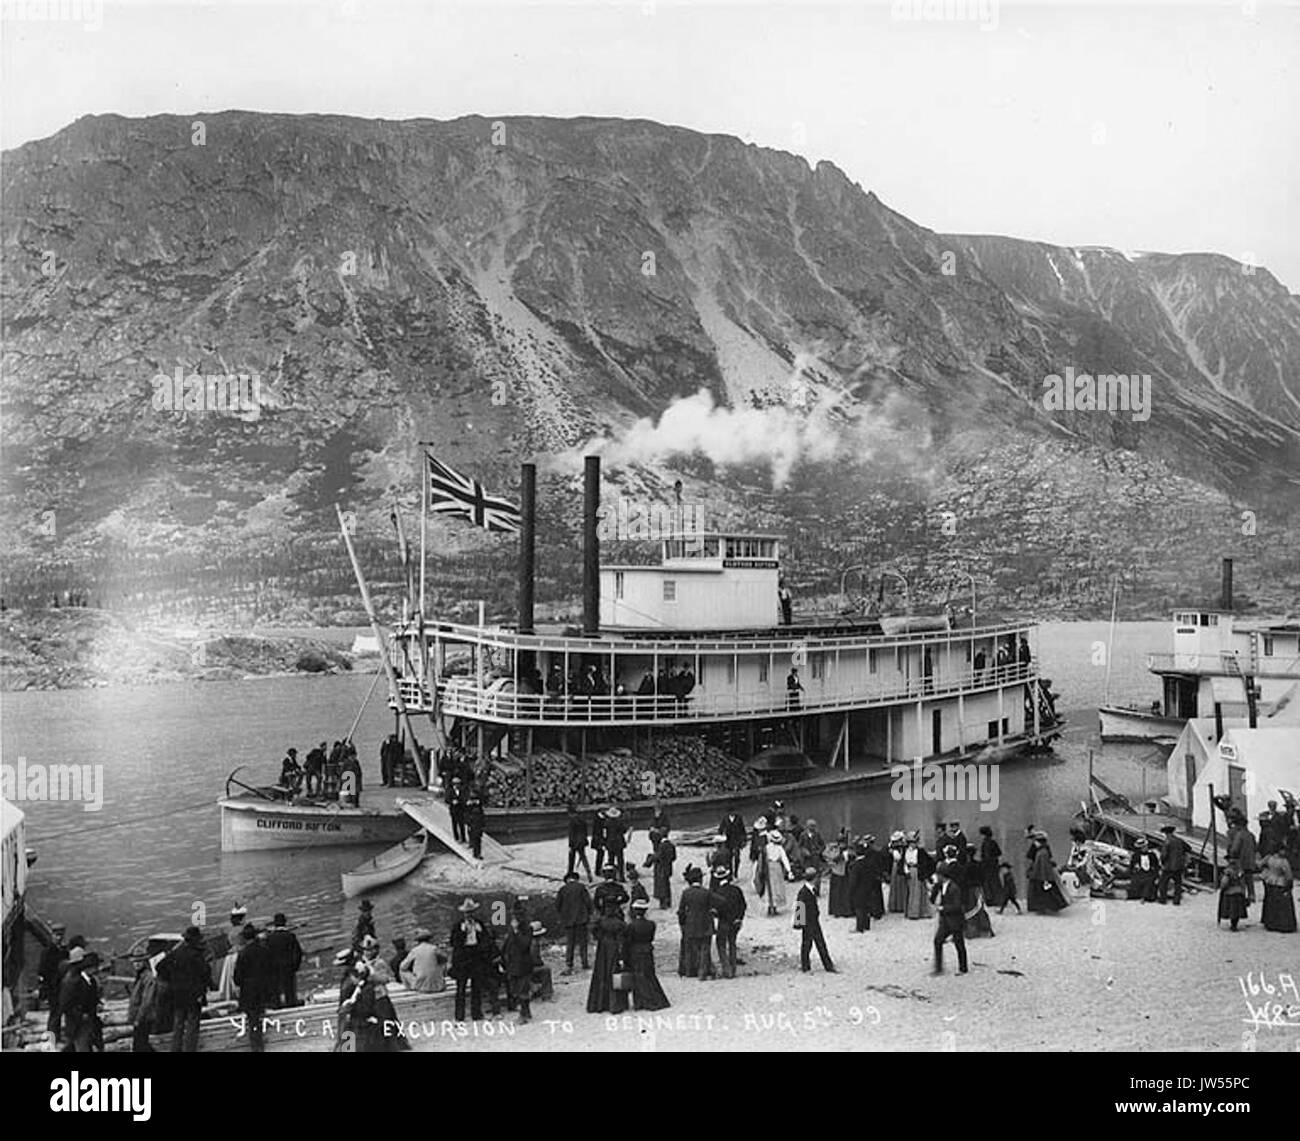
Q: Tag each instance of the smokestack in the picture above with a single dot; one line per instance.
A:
(590, 546)
(1225, 595)
(527, 545)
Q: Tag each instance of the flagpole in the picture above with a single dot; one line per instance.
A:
(424, 519)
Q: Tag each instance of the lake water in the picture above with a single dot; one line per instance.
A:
(153, 853)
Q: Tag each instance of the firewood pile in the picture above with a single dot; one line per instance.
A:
(671, 767)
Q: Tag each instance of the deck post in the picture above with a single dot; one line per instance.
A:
(889, 735)
(961, 722)
(1214, 837)
(1001, 711)
(920, 730)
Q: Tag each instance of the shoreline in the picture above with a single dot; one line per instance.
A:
(1094, 977)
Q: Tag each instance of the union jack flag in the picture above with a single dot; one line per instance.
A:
(451, 493)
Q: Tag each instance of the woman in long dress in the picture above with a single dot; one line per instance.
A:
(639, 955)
(1042, 891)
(990, 856)
(919, 865)
(1279, 907)
(778, 871)
(897, 875)
(758, 855)
(977, 924)
(1232, 895)
(610, 932)
(838, 856)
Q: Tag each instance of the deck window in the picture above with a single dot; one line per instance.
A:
(818, 664)
(670, 590)
(993, 730)
(1268, 645)
(762, 673)
(618, 584)
(871, 661)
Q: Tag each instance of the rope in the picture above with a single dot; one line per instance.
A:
(133, 820)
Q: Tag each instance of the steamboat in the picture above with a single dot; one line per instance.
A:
(696, 647)
(1222, 663)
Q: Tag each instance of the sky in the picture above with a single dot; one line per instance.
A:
(1166, 126)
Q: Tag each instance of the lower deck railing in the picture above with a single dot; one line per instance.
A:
(498, 701)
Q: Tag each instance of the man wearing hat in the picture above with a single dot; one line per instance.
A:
(517, 957)
(1144, 867)
(365, 924)
(662, 856)
(474, 823)
(1173, 863)
(468, 943)
(615, 840)
(807, 918)
(866, 874)
(188, 975)
(734, 834)
(286, 958)
(457, 799)
(598, 839)
(142, 1007)
(543, 986)
(255, 978)
(952, 916)
(573, 902)
(52, 958)
(610, 892)
(79, 1004)
(695, 916)
(577, 840)
(635, 888)
(291, 772)
(729, 905)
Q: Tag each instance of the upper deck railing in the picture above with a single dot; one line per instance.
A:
(788, 639)
(1224, 664)
(460, 697)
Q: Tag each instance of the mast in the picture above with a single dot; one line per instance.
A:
(384, 656)
(1110, 644)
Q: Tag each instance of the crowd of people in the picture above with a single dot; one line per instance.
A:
(1273, 856)
(952, 880)
(333, 774)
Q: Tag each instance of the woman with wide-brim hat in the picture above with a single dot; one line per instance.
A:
(778, 871)
(897, 874)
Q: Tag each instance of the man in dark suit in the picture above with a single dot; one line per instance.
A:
(729, 906)
(79, 1006)
(733, 828)
(573, 902)
(52, 958)
(188, 975)
(695, 915)
(469, 960)
(578, 841)
(615, 840)
(598, 842)
(1173, 863)
(808, 919)
(864, 876)
(255, 977)
(285, 954)
(609, 894)
(947, 895)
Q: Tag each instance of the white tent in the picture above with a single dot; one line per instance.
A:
(1253, 765)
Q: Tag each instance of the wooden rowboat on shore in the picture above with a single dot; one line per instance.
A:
(388, 867)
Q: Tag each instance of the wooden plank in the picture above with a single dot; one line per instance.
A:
(433, 815)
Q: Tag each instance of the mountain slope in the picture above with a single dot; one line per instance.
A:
(510, 289)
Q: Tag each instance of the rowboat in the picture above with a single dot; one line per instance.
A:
(387, 867)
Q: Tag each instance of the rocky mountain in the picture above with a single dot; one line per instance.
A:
(798, 354)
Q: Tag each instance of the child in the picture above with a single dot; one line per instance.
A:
(1008, 888)
(1232, 895)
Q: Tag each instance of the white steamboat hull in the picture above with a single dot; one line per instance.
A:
(249, 825)
(1120, 724)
